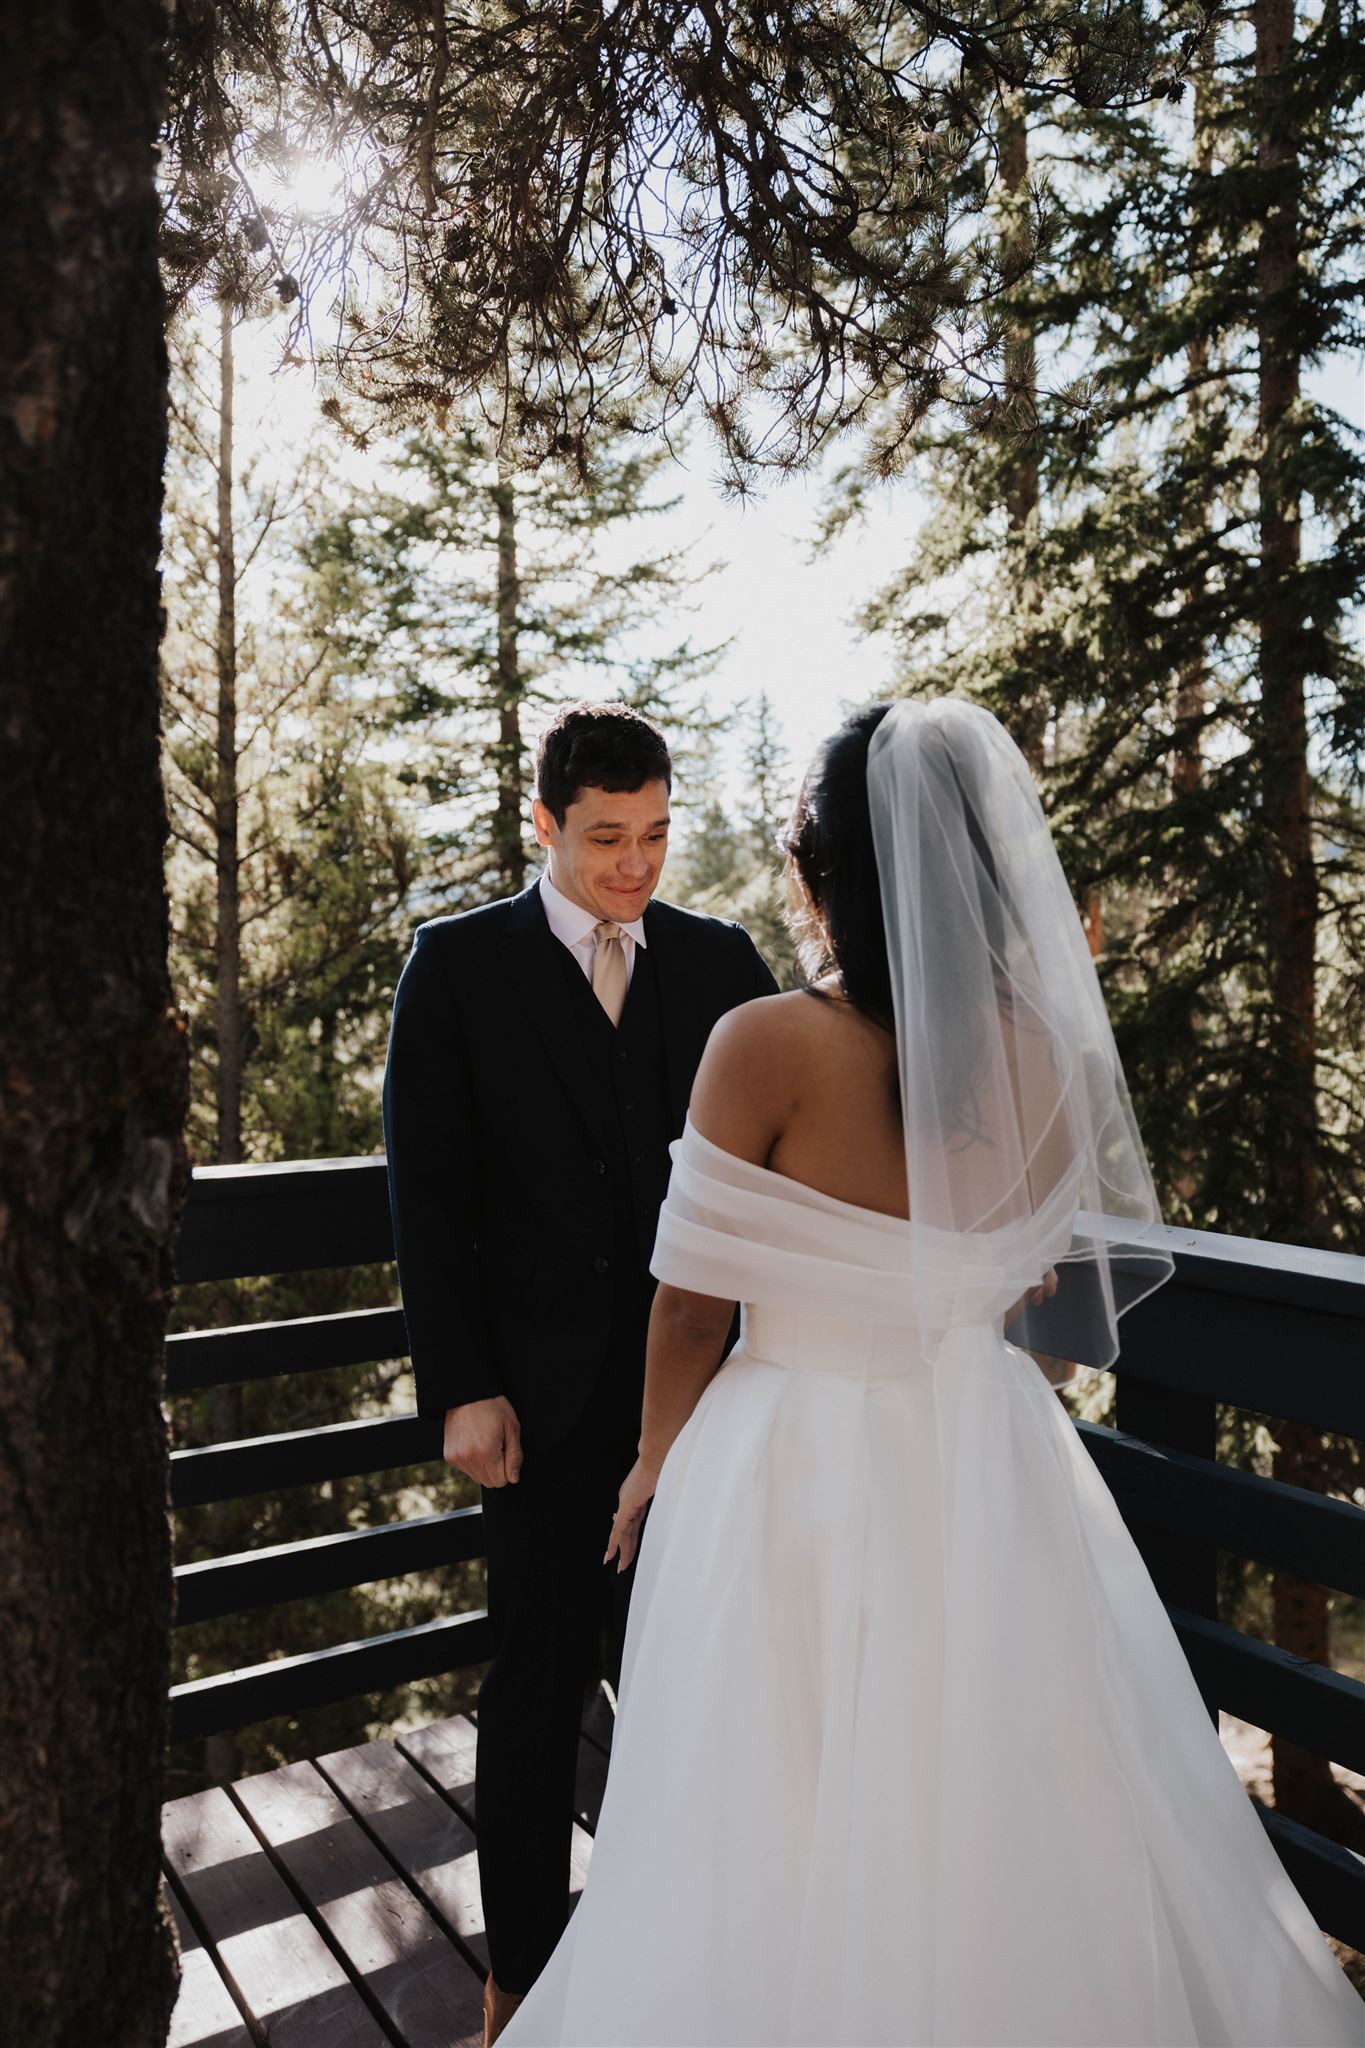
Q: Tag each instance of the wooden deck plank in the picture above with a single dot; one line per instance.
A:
(596, 1727)
(419, 1831)
(444, 1750)
(205, 2014)
(264, 1943)
(426, 1989)
(340, 1898)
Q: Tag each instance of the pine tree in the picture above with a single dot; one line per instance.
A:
(763, 212)
(480, 598)
(729, 863)
(1163, 631)
(293, 856)
(1202, 759)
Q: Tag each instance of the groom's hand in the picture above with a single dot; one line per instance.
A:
(483, 1438)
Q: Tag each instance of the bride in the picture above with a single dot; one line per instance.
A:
(907, 1751)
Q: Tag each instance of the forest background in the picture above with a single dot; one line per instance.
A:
(1141, 543)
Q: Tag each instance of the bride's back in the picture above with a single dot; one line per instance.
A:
(807, 1087)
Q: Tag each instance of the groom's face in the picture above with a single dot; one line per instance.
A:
(608, 854)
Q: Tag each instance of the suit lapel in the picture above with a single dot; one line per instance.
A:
(534, 960)
(685, 1018)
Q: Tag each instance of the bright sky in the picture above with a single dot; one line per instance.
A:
(790, 611)
(790, 614)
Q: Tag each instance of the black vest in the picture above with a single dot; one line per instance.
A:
(626, 1062)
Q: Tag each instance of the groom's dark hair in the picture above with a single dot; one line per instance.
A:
(598, 746)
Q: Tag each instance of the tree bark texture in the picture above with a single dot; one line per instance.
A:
(1292, 875)
(1187, 766)
(228, 930)
(92, 1055)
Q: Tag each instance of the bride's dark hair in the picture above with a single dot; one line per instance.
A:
(829, 844)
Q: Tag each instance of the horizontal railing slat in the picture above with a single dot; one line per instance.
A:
(1330, 1879)
(1327, 1282)
(1289, 1528)
(258, 1351)
(301, 1457)
(1276, 1357)
(325, 1564)
(1274, 1689)
(242, 1221)
(317, 1678)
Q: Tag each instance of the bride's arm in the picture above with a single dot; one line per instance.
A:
(739, 1098)
(736, 1103)
(687, 1334)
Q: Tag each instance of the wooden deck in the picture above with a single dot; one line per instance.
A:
(335, 1903)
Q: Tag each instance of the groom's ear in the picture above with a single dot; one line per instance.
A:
(542, 822)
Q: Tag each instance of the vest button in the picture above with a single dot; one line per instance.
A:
(628, 1106)
(621, 1054)
(599, 1166)
(600, 1265)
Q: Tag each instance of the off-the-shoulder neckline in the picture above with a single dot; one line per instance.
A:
(800, 1189)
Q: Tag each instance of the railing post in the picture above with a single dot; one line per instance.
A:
(1184, 1570)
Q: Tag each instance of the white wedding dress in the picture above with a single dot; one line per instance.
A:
(907, 1750)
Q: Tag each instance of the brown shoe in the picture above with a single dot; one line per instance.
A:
(498, 2008)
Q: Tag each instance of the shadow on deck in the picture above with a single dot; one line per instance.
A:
(335, 1903)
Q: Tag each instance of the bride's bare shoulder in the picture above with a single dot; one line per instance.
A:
(749, 1078)
(741, 1094)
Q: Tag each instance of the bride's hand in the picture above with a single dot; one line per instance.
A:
(1046, 1287)
(637, 1492)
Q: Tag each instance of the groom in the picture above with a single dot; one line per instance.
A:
(540, 1062)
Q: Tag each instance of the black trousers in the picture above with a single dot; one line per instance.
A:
(558, 1617)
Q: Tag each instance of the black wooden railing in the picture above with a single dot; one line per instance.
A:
(1266, 1327)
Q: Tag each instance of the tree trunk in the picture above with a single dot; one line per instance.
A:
(1304, 1786)
(1187, 764)
(228, 936)
(1028, 717)
(1292, 908)
(510, 754)
(92, 1056)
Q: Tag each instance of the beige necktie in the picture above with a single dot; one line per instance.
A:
(609, 969)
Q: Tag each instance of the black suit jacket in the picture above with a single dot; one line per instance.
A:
(492, 1129)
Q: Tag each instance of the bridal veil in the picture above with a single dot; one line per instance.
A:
(1022, 1149)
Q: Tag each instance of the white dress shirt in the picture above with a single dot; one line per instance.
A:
(576, 927)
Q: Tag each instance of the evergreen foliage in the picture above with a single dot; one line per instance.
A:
(473, 596)
(596, 215)
(729, 864)
(1135, 611)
